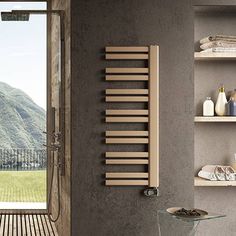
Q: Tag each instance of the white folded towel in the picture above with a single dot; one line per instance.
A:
(217, 172)
(220, 49)
(215, 44)
(211, 38)
(207, 175)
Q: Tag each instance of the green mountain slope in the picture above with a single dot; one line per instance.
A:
(21, 120)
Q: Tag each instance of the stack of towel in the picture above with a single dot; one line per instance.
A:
(217, 172)
(218, 43)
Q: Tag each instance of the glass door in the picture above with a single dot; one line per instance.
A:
(23, 109)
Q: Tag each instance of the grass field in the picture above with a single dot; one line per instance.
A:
(22, 186)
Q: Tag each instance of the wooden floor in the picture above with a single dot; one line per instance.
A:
(30, 225)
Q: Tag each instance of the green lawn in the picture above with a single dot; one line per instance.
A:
(22, 186)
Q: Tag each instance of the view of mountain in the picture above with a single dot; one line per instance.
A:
(21, 120)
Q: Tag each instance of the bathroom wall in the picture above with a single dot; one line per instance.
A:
(63, 224)
(97, 209)
(214, 142)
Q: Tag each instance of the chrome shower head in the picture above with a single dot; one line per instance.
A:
(14, 16)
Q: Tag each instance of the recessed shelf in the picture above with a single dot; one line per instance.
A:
(215, 119)
(207, 56)
(199, 182)
(215, 9)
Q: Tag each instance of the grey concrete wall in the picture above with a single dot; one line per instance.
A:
(214, 143)
(96, 209)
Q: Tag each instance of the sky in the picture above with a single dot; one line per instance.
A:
(23, 52)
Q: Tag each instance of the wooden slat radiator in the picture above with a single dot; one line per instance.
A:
(148, 95)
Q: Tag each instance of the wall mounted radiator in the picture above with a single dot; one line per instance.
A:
(150, 116)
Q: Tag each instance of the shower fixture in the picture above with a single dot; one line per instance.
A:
(57, 146)
(9, 16)
(24, 15)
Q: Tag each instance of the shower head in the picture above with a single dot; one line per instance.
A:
(14, 16)
(23, 15)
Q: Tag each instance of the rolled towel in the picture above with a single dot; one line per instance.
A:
(211, 38)
(215, 44)
(220, 49)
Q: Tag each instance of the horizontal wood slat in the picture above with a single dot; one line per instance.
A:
(126, 140)
(127, 91)
(126, 78)
(127, 119)
(126, 49)
(126, 133)
(126, 162)
(126, 154)
(113, 182)
(127, 112)
(128, 56)
(127, 175)
(127, 70)
(126, 99)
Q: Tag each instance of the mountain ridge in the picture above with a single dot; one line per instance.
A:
(22, 121)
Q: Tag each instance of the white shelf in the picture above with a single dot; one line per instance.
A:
(215, 56)
(199, 182)
(215, 119)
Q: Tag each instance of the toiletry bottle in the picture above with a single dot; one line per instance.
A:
(232, 104)
(233, 95)
(227, 113)
(220, 107)
(208, 107)
(234, 162)
(232, 107)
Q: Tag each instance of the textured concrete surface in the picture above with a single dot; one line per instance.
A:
(96, 209)
(214, 143)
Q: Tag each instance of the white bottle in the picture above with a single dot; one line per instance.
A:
(208, 107)
(221, 102)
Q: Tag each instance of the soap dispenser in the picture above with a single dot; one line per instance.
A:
(221, 102)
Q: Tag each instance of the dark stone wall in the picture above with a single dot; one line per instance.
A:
(97, 209)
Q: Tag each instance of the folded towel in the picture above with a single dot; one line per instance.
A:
(207, 175)
(220, 177)
(220, 49)
(220, 43)
(210, 38)
(217, 172)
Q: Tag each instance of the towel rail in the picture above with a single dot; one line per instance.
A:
(149, 95)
